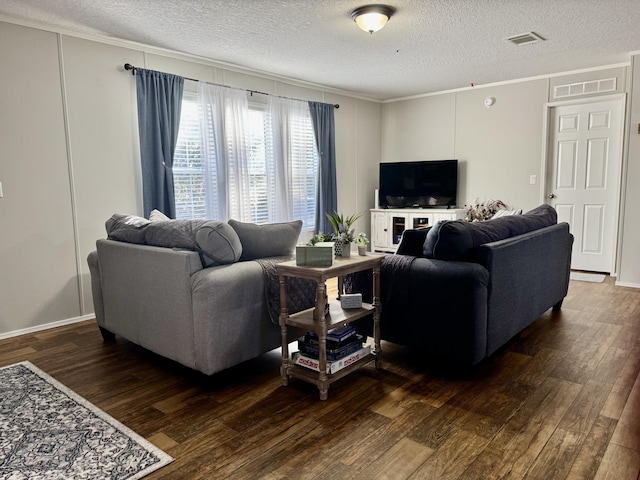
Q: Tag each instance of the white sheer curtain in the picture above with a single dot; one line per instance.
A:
(224, 116)
(294, 155)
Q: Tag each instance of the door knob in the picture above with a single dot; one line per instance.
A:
(551, 195)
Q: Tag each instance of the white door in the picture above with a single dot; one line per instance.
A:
(583, 178)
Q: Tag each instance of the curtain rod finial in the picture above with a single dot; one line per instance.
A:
(128, 66)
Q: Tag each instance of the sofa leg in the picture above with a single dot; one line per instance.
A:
(107, 336)
(558, 306)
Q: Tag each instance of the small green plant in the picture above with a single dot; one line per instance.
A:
(320, 237)
(361, 240)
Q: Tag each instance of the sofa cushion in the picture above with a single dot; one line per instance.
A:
(457, 239)
(267, 240)
(219, 243)
(126, 228)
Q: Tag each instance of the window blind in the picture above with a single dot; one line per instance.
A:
(196, 179)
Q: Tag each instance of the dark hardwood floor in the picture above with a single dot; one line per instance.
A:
(561, 401)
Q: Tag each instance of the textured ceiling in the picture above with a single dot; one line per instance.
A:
(427, 46)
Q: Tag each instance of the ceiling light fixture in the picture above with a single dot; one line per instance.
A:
(372, 18)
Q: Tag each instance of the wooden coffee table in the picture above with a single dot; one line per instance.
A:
(315, 319)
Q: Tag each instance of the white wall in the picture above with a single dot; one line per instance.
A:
(629, 261)
(419, 129)
(38, 274)
(497, 148)
(69, 159)
(501, 146)
(102, 122)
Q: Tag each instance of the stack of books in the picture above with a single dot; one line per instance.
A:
(344, 347)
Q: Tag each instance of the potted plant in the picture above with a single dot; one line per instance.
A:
(320, 237)
(343, 234)
(361, 241)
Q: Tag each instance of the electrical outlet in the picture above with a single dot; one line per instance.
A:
(533, 179)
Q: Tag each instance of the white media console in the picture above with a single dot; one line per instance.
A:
(387, 225)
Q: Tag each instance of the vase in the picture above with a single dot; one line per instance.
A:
(342, 249)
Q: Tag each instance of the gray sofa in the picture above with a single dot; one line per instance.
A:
(191, 291)
(459, 291)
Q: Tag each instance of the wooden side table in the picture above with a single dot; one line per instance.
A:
(317, 320)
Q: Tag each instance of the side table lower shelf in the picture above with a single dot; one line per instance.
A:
(311, 376)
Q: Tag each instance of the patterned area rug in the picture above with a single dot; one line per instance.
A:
(49, 432)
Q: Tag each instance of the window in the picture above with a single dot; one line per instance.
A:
(188, 164)
(189, 168)
(259, 167)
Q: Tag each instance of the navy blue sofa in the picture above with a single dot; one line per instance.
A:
(462, 290)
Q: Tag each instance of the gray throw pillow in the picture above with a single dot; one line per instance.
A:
(219, 243)
(267, 240)
(173, 233)
(126, 228)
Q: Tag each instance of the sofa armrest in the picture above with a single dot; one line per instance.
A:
(96, 286)
(146, 293)
(231, 319)
(445, 313)
(528, 275)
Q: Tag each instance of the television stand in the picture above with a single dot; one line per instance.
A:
(387, 225)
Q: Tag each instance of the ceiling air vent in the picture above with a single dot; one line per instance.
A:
(525, 39)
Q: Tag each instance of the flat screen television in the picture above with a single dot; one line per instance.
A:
(424, 184)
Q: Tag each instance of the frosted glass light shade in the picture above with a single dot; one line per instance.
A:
(372, 18)
(371, 22)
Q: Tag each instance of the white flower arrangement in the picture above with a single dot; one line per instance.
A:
(480, 211)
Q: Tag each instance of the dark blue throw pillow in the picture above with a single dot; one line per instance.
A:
(412, 241)
(448, 240)
(457, 239)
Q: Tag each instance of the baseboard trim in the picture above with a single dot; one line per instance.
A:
(46, 326)
(627, 284)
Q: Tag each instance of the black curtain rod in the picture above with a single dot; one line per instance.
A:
(128, 66)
